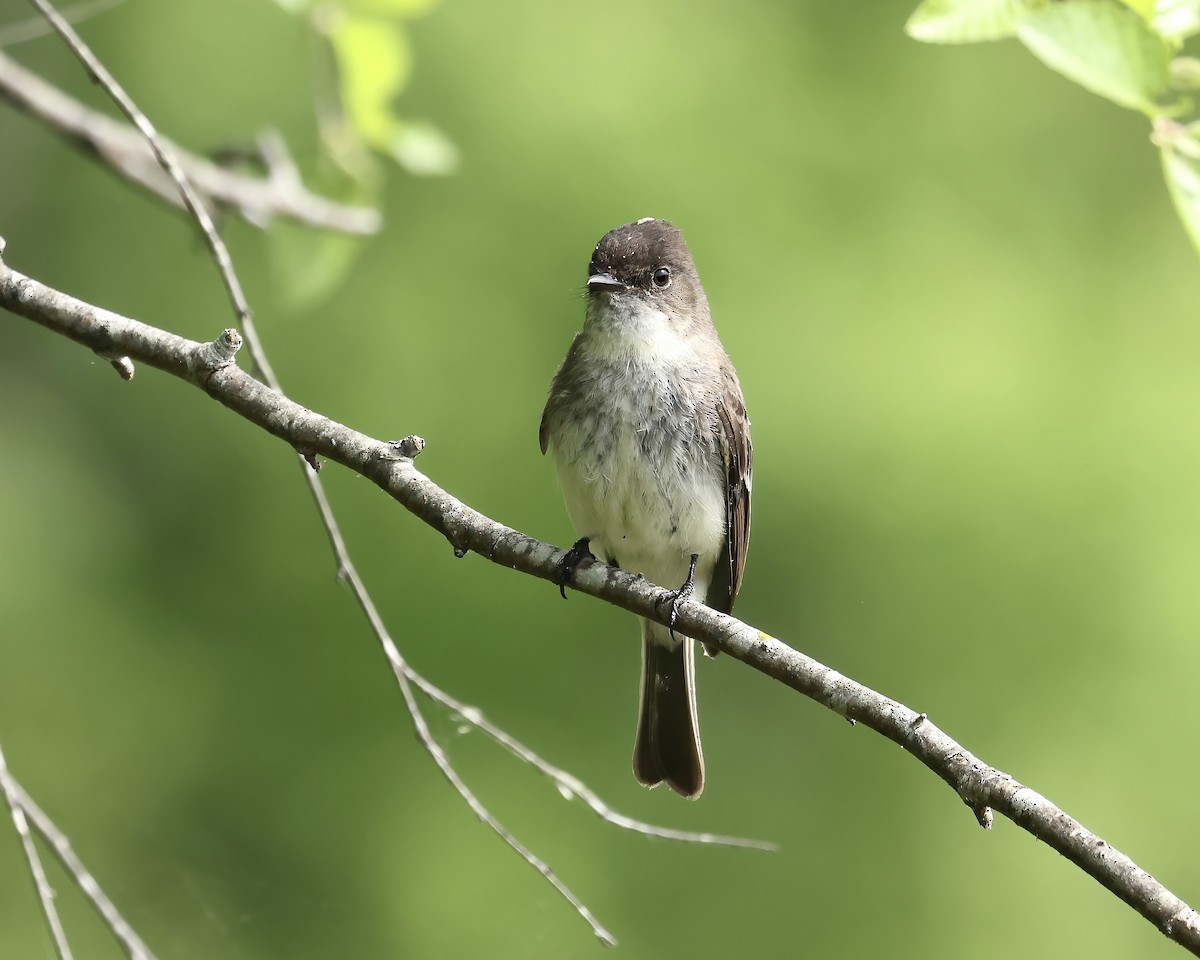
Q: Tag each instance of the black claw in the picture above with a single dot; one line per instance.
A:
(682, 594)
(575, 556)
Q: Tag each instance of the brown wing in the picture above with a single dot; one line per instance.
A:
(556, 392)
(735, 426)
(544, 431)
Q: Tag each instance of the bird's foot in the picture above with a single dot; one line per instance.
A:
(682, 594)
(575, 556)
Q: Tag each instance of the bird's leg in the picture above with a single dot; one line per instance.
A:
(575, 556)
(685, 591)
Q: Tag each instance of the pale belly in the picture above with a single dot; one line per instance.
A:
(647, 497)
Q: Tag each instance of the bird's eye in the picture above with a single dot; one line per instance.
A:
(662, 277)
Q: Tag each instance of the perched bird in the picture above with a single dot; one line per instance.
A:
(651, 442)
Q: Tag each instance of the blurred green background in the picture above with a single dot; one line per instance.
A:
(964, 316)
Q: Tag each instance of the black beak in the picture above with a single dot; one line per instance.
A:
(604, 281)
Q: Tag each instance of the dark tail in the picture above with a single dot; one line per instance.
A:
(668, 737)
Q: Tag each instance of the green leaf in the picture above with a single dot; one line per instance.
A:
(373, 67)
(422, 149)
(1181, 166)
(1143, 8)
(1176, 19)
(1184, 73)
(965, 21)
(390, 8)
(295, 6)
(1104, 47)
(403, 9)
(309, 265)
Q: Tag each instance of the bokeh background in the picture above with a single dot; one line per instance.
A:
(965, 318)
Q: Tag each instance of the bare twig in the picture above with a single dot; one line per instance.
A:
(570, 786)
(133, 945)
(164, 153)
(979, 785)
(448, 771)
(36, 27)
(36, 870)
(259, 199)
(406, 677)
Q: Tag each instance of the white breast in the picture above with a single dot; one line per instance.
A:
(634, 476)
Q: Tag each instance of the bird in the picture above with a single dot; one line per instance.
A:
(648, 431)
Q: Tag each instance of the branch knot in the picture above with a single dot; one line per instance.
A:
(214, 356)
(408, 448)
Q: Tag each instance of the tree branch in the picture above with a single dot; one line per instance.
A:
(980, 786)
(280, 194)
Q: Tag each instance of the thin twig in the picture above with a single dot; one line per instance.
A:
(346, 569)
(164, 153)
(981, 787)
(258, 199)
(36, 27)
(135, 948)
(570, 786)
(36, 870)
(404, 677)
(448, 771)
